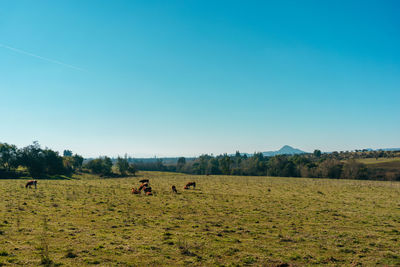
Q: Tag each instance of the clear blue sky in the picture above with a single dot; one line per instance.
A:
(171, 78)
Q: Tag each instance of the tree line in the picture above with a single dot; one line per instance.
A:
(314, 165)
(38, 162)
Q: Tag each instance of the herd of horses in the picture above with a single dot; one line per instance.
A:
(148, 191)
(144, 186)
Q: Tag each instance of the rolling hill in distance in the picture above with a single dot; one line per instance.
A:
(285, 150)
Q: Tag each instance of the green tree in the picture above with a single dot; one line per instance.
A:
(225, 164)
(213, 166)
(281, 165)
(317, 153)
(180, 164)
(33, 158)
(53, 162)
(68, 163)
(8, 156)
(132, 169)
(102, 165)
(122, 165)
(203, 162)
(78, 161)
(67, 153)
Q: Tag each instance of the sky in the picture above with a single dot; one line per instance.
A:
(183, 78)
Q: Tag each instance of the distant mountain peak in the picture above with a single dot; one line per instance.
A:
(286, 147)
(285, 150)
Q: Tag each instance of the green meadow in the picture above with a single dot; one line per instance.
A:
(369, 161)
(225, 221)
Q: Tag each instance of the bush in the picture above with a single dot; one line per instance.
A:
(100, 166)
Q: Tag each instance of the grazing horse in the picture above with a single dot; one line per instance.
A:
(143, 185)
(135, 191)
(147, 189)
(174, 189)
(144, 181)
(189, 184)
(30, 183)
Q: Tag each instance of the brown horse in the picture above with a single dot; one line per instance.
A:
(135, 191)
(142, 186)
(147, 189)
(189, 184)
(174, 189)
(30, 183)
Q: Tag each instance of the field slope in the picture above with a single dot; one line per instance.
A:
(227, 220)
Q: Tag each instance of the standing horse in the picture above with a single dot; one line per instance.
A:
(174, 189)
(189, 184)
(30, 183)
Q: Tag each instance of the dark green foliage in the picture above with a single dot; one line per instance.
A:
(225, 164)
(100, 165)
(72, 163)
(33, 158)
(41, 162)
(153, 166)
(67, 153)
(8, 156)
(213, 166)
(38, 162)
(132, 169)
(317, 153)
(78, 161)
(122, 165)
(180, 164)
(53, 162)
(282, 165)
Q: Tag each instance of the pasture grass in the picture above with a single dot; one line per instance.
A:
(226, 221)
(379, 160)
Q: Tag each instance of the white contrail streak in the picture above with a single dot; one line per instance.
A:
(40, 57)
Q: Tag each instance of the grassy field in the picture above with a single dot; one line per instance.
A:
(379, 160)
(227, 220)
